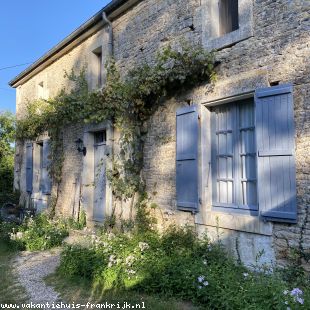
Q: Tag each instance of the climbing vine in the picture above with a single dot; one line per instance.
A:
(128, 102)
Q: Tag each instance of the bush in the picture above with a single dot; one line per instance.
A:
(40, 233)
(6, 229)
(179, 264)
(79, 261)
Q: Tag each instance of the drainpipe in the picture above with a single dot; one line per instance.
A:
(111, 127)
(110, 43)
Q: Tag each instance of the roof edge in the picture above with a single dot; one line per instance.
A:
(108, 9)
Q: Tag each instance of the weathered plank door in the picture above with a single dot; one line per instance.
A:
(99, 177)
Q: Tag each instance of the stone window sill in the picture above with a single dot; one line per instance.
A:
(234, 221)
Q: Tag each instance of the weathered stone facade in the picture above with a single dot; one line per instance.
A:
(275, 49)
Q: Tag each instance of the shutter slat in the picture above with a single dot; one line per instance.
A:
(47, 182)
(187, 158)
(29, 167)
(276, 156)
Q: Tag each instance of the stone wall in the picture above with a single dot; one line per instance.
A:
(278, 51)
(54, 79)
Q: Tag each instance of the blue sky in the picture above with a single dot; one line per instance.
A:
(28, 29)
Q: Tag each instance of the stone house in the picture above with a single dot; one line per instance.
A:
(235, 162)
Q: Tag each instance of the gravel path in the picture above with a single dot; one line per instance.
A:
(31, 268)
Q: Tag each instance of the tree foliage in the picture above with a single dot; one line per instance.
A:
(7, 138)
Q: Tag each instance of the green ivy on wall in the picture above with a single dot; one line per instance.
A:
(128, 102)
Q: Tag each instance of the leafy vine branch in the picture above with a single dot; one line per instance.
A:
(128, 102)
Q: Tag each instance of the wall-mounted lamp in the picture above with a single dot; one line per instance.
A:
(80, 146)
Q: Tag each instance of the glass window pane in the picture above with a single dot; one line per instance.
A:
(100, 136)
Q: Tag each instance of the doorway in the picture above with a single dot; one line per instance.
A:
(99, 175)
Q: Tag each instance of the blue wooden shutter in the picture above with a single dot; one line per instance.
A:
(276, 153)
(29, 167)
(46, 179)
(187, 158)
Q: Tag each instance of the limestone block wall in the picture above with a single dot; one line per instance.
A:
(276, 52)
(54, 79)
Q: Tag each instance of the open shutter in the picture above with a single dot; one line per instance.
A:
(46, 179)
(187, 158)
(276, 153)
(29, 167)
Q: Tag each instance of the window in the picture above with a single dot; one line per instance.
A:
(234, 156)
(226, 22)
(251, 149)
(100, 137)
(41, 92)
(98, 66)
(228, 16)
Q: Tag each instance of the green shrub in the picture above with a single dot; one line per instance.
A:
(79, 261)
(6, 229)
(40, 233)
(178, 264)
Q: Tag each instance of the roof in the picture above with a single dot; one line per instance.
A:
(84, 29)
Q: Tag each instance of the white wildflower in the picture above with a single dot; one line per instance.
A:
(112, 260)
(111, 236)
(296, 292)
(201, 279)
(130, 260)
(245, 274)
(300, 300)
(143, 246)
(19, 235)
(205, 283)
(130, 271)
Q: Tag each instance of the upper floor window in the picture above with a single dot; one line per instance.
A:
(228, 16)
(41, 91)
(97, 66)
(226, 22)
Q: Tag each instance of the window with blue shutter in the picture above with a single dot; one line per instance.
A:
(46, 179)
(234, 156)
(29, 167)
(276, 153)
(187, 158)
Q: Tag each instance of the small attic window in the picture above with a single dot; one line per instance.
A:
(228, 16)
(41, 92)
(98, 65)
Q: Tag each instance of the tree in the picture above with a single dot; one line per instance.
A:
(7, 138)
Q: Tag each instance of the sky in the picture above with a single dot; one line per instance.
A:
(29, 28)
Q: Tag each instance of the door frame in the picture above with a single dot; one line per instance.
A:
(89, 166)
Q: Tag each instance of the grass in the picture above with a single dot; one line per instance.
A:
(10, 290)
(82, 291)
